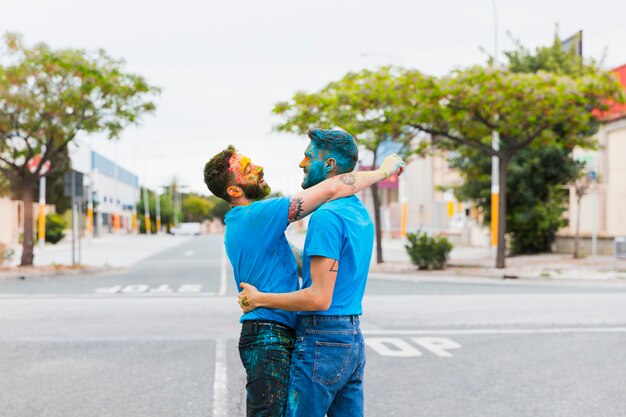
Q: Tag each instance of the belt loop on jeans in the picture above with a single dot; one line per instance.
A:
(352, 320)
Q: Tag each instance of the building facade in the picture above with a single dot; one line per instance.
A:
(113, 190)
(602, 210)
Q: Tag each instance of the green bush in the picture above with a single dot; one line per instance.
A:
(428, 252)
(55, 227)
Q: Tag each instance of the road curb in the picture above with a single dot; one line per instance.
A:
(25, 273)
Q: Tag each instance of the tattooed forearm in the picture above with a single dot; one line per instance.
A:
(295, 209)
(334, 267)
(348, 179)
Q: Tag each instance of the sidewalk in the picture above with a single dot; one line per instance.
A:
(102, 253)
(479, 262)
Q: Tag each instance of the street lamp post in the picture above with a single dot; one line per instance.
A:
(495, 145)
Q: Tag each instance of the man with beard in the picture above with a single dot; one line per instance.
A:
(326, 376)
(260, 255)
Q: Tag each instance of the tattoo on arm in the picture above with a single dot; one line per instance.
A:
(334, 267)
(295, 209)
(348, 179)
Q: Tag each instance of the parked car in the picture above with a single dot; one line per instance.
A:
(186, 229)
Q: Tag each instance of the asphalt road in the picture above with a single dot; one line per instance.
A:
(159, 339)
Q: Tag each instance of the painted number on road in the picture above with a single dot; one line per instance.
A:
(141, 288)
(400, 348)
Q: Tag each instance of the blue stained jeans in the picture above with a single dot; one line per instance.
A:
(265, 351)
(327, 364)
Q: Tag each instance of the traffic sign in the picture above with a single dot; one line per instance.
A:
(78, 184)
(34, 162)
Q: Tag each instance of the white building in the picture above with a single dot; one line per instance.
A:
(114, 190)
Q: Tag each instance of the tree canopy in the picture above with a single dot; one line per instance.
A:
(47, 97)
(535, 210)
(362, 103)
(528, 110)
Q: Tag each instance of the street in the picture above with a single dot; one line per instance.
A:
(159, 339)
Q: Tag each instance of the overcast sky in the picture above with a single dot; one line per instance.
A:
(223, 64)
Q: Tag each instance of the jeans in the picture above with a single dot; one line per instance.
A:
(326, 375)
(265, 351)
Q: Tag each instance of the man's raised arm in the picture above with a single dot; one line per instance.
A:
(342, 185)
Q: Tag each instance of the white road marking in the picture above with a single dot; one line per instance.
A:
(222, 290)
(220, 387)
(162, 289)
(108, 295)
(392, 346)
(109, 290)
(142, 288)
(437, 345)
(190, 288)
(547, 330)
(133, 289)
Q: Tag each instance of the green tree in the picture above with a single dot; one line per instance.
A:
(535, 210)
(47, 97)
(364, 104)
(219, 208)
(165, 207)
(528, 111)
(196, 208)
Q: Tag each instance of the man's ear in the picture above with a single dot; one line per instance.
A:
(234, 191)
(330, 165)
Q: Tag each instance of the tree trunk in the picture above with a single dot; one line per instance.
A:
(26, 190)
(576, 237)
(501, 253)
(379, 247)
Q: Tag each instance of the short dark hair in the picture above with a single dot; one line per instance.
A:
(216, 175)
(338, 143)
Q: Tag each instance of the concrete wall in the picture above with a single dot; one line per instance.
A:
(565, 244)
(11, 213)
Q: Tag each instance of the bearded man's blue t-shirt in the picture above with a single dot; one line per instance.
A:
(342, 230)
(260, 254)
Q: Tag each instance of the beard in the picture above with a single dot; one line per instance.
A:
(255, 191)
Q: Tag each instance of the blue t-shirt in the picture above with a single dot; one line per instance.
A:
(341, 229)
(260, 254)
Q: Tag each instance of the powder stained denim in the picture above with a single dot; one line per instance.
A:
(265, 351)
(327, 365)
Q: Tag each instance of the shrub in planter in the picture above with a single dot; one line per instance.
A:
(428, 252)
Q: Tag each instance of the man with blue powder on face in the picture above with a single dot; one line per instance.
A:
(260, 255)
(326, 375)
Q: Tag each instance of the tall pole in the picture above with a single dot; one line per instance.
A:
(403, 201)
(74, 216)
(594, 208)
(116, 212)
(42, 212)
(157, 197)
(134, 219)
(146, 210)
(90, 207)
(495, 145)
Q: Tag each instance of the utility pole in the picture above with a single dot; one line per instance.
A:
(157, 202)
(42, 212)
(495, 145)
(146, 210)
